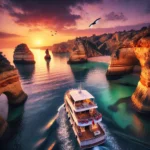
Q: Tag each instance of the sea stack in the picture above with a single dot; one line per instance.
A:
(10, 86)
(78, 55)
(122, 62)
(47, 56)
(23, 55)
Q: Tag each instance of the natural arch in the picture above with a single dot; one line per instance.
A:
(123, 62)
(10, 86)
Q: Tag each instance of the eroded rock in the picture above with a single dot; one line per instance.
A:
(23, 55)
(10, 86)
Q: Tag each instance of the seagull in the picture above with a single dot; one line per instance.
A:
(95, 22)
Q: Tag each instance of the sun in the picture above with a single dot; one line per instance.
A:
(38, 42)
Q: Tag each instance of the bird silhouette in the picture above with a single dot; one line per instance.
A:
(95, 22)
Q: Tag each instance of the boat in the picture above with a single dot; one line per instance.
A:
(84, 118)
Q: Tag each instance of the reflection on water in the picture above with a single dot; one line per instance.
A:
(80, 74)
(26, 71)
(3, 106)
(14, 119)
(39, 128)
(47, 64)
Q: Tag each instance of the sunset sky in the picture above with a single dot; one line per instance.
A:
(31, 21)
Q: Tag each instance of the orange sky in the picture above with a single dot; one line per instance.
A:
(33, 22)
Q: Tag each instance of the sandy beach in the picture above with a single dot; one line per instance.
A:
(105, 59)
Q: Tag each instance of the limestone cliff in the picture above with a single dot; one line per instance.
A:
(141, 96)
(109, 43)
(10, 86)
(63, 47)
(78, 55)
(136, 51)
(83, 49)
(23, 55)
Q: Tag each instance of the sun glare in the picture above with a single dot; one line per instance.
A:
(38, 42)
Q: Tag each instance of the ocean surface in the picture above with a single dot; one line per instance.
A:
(37, 124)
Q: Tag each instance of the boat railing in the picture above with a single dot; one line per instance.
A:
(92, 141)
(97, 116)
(86, 105)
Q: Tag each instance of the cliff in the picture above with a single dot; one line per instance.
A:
(78, 54)
(123, 57)
(23, 55)
(10, 86)
(63, 47)
(82, 49)
(132, 50)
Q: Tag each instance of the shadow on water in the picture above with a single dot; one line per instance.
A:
(114, 107)
(61, 55)
(79, 73)
(26, 71)
(15, 115)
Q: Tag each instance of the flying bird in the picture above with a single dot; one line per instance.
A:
(95, 22)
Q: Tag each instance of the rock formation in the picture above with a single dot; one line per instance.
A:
(47, 56)
(136, 51)
(10, 86)
(122, 62)
(82, 50)
(78, 54)
(141, 96)
(23, 55)
(63, 47)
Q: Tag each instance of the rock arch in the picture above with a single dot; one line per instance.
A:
(141, 96)
(10, 86)
(124, 63)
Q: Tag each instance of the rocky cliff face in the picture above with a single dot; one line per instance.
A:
(109, 43)
(10, 86)
(83, 49)
(141, 96)
(78, 55)
(136, 51)
(63, 47)
(122, 62)
(124, 57)
(23, 55)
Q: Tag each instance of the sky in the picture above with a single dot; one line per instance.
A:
(34, 21)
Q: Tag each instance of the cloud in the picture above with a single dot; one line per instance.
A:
(148, 9)
(8, 35)
(112, 16)
(35, 30)
(53, 14)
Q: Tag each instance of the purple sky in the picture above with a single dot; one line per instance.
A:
(70, 18)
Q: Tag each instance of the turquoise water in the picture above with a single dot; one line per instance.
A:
(38, 125)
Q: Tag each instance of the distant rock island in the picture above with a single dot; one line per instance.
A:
(47, 56)
(10, 86)
(23, 55)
